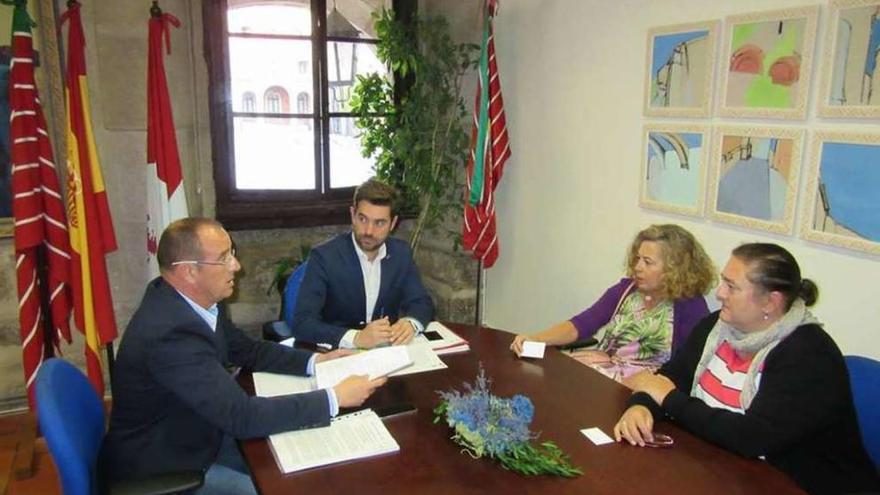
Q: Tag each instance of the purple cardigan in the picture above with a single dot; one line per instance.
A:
(685, 313)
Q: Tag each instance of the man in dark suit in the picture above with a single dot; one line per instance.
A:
(173, 398)
(362, 288)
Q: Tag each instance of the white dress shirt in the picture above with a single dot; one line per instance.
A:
(372, 272)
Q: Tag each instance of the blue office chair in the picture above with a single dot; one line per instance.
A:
(864, 377)
(71, 418)
(277, 331)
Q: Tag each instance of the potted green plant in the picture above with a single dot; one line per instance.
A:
(421, 142)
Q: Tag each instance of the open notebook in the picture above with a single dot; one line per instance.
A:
(352, 436)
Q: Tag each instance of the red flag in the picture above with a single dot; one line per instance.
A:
(91, 228)
(37, 209)
(489, 150)
(166, 197)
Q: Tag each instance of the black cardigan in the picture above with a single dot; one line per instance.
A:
(802, 419)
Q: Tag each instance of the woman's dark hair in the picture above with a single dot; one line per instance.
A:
(773, 268)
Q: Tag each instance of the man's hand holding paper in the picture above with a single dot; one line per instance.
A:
(355, 389)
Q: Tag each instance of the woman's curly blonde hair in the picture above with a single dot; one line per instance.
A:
(687, 270)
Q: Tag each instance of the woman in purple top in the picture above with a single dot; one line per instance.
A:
(645, 317)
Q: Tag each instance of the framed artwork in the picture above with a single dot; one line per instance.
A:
(680, 64)
(755, 176)
(849, 86)
(674, 162)
(767, 59)
(843, 207)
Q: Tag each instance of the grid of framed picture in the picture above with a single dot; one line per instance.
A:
(747, 174)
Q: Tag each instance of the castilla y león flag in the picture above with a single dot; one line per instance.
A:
(166, 197)
(38, 210)
(90, 225)
(489, 151)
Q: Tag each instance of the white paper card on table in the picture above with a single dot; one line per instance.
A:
(352, 436)
(597, 436)
(374, 363)
(533, 349)
(273, 384)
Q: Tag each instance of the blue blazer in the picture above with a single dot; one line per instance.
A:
(332, 299)
(173, 398)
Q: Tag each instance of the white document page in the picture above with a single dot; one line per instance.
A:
(374, 363)
(423, 359)
(352, 436)
(273, 384)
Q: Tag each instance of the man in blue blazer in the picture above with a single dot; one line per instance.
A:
(173, 396)
(362, 288)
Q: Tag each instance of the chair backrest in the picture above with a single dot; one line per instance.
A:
(291, 290)
(864, 377)
(71, 417)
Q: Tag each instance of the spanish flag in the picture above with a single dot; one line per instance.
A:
(90, 225)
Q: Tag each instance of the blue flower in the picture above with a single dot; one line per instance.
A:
(523, 408)
(485, 424)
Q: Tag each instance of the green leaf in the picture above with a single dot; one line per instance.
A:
(421, 143)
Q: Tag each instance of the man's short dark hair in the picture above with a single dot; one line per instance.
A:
(378, 193)
(180, 241)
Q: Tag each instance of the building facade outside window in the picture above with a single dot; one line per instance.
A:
(302, 172)
(249, 102)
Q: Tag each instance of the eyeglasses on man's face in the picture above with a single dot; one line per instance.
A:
(226, 260)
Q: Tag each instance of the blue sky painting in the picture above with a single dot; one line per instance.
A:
(851, 175)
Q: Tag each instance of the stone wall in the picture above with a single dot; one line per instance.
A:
(116, 45)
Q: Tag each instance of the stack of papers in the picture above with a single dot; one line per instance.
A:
(390, 361)
(273, 384)
(374, 363)
(352, 436)
(449, 343)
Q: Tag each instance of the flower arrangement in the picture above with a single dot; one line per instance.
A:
(487, 425)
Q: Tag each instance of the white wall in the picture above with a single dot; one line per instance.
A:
(572, 75)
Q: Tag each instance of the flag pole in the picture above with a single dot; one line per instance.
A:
(478, 314)
(110, 361)
(45, 308)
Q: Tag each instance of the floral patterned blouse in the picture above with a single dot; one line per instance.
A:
(636, 338)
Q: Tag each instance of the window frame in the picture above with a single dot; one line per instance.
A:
(265, 208)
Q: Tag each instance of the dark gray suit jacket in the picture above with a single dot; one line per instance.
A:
(173, 397)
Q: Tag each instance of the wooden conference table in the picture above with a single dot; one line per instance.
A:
(568, 397)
